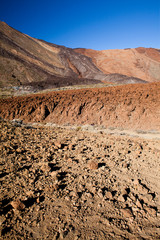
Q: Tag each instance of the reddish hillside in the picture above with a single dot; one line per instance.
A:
(26, 61)
(130, 107)
(143, 63)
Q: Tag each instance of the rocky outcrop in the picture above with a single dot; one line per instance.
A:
(130, 107)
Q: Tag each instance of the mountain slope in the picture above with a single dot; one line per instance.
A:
(143, 63)
(28, 61)
(25, 60)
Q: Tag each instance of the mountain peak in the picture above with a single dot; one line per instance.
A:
(28, 61)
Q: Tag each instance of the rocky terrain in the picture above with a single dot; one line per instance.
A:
(63, 183)
(82, 161)
(127, 107)
(27, 62)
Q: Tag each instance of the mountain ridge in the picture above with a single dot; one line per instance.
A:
(25, 60)
(138, 62)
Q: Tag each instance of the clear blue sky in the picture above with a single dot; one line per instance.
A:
(96, 24)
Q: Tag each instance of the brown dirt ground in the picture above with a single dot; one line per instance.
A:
(59, 183)
(134, 106)
(71, 182)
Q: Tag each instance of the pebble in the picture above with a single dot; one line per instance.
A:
(18, 205)
(127, 212)
(108, 195)
(93, 165)
(121, 198)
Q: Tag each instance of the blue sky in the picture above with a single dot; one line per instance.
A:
(94, 24)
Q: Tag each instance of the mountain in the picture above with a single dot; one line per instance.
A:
(26, 61)
(143, 63)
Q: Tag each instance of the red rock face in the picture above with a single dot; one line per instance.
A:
(130, 107)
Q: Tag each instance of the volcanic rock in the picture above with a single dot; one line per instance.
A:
(126, 107)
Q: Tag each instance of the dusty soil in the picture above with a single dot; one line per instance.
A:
(134, 106)
(59, 183)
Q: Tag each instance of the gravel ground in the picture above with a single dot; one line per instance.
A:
(61, 183)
